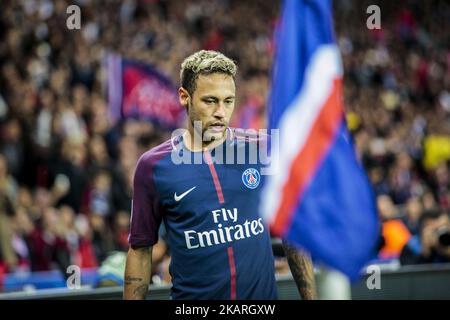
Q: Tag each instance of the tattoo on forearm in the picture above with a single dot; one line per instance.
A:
(130, 280)
(141, 291)
(136, 286)
(302, 271)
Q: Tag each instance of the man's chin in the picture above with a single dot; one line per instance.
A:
(211, 136)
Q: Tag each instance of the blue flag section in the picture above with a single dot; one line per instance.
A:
(320, 198)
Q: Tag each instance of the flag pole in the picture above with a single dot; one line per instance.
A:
(332, 285)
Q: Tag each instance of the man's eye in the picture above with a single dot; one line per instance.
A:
(209, 101)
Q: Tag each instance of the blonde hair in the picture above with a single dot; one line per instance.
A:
(204, 62)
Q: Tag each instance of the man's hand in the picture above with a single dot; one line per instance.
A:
(302, 271)
(137, 273)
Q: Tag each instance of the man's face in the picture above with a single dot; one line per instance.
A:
(212, 103)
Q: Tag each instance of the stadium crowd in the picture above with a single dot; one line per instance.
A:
(66, 170)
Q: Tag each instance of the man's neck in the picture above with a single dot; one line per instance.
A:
(194, 141)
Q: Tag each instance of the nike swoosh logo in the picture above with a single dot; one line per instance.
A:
(181, 196)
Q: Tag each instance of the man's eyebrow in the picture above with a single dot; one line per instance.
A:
(214, 97)
(209, 97)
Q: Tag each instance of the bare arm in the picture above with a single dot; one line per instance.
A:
(302, 271)
(137, 273)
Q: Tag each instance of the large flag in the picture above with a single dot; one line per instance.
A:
(320, 199)
(138, 90)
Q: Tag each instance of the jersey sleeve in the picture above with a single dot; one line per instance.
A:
(146, 212)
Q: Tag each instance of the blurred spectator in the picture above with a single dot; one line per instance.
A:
(102, 237)
(98, 154)
(22, 227)
(8, 260)
(12, 146)
(394, 232)
(48, 246)
(8, 185)
(413, 212)
(100, 194)
(121, 229)
(432, 244)
(68, 173)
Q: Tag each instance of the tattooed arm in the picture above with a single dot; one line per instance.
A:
(302, 271)
(137, 273)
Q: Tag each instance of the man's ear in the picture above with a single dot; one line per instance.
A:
(183, 96)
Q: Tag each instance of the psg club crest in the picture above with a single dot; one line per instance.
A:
(251, 178)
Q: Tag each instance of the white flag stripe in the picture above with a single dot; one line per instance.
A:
(298, 119)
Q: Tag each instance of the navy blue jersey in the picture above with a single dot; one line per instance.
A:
(220, 246)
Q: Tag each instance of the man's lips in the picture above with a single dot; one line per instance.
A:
(216, 127)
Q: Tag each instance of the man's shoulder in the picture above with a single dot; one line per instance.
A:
(155, 154)
(251, 136)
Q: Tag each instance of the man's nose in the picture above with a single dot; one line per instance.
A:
(220, 111)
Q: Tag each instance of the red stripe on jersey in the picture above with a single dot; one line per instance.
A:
(212, 169)
(232, 273)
